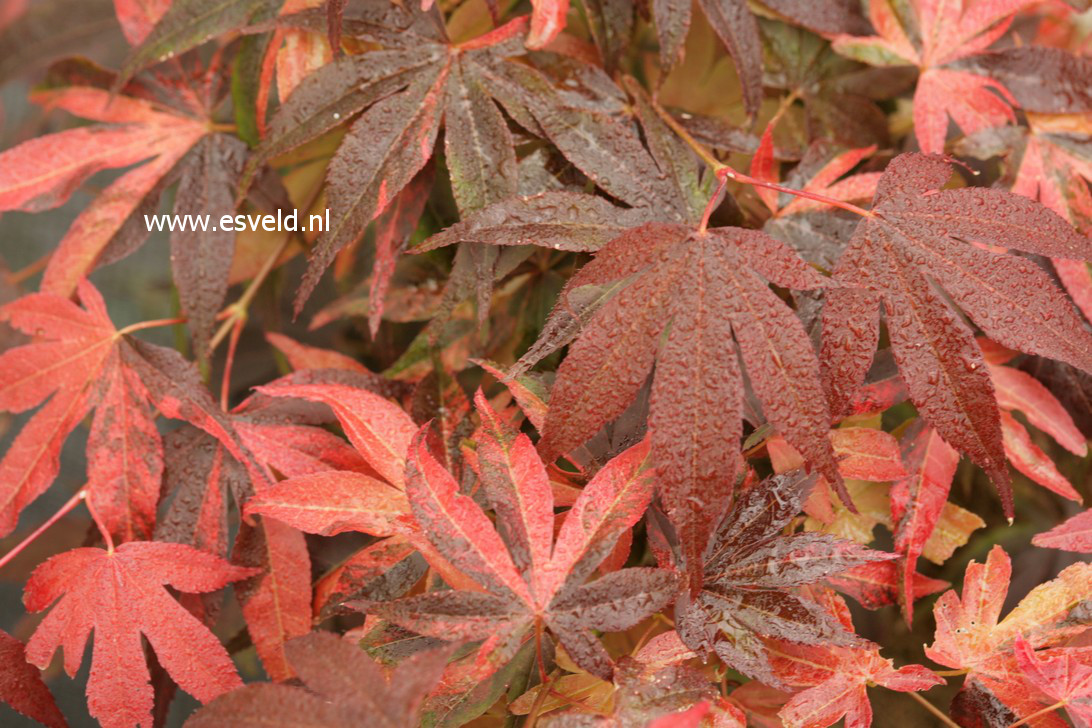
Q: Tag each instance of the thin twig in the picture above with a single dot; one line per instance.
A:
(1038, 713)
(225, 383)
(940, 715)
(102, 527)
(155, 323)
(61, 513)
(18, 276)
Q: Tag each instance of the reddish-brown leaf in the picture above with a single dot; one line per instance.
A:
(385, 148)
(385, 570)
(344, 686)
(518, 488)
(707, 285)
(463, 535)
(879, 584)
(749, 568)
(919, 232)
(201, 259)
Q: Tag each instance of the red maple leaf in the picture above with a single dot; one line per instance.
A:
(80, 362)
(120, 595)
(516, 576)
(711, 287)
(835, 679)
(945, 32)
(1064, 674)
(971, 636)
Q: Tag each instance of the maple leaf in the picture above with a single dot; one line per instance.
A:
(406, 93)
(1064, 674)
(946, 32)
(120, 595)
(162, 123)
(707, 286)
(917, 230)
(1046, 163)
(381, 571)
(276, 603)
(520, 577)
(43, 173)
(76, 365)
(834, 679)
(819, 173)
(343, 686)
(971, 637)
(282, 435)
(880, 583)
(185, 25)
(1042, 79)
(22, 687)
(749, 568)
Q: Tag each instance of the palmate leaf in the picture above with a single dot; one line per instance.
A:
(971, 635)
(946, 32)
(81, 362)
(518, 576)
(918, 230)
(406, 94)
(834, 679)
(749, 569)
(705, 289)
(120, 595)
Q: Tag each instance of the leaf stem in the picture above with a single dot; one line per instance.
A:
(102, 528)
(723, 171)
(155, 323)
(225, 383)
(238, 311)
(18, 276)
(706, 156)
(64, 510)
(714, 203)
(937, 712)
(540, 700)
(1036, 714)
(951, 673)
(749, 180)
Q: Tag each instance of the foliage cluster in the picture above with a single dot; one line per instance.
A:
(652, 349)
